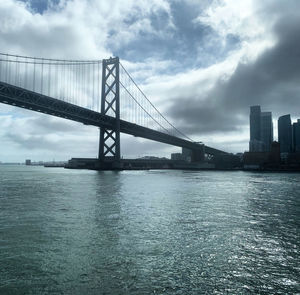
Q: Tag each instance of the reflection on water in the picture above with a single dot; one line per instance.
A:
(148, 232)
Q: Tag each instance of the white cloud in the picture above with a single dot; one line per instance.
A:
(242, 19)
(47, 136)
(233, 17)
(75, 29)
(91, 29)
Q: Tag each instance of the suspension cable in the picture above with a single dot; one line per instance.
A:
(154, 106)
(51, 59)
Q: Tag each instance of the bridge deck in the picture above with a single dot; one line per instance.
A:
(23, 98)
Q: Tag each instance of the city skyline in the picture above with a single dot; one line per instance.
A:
(262, 131)
(223, 62)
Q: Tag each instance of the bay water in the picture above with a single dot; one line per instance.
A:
(148, 232)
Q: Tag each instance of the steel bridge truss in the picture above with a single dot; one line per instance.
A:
(30, 100)
(109, 145)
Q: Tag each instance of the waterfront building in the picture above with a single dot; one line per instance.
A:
(261, 130)
(296, 136)
(274, 155)
(263, 160)
(285, 133)
(187, 154)
(177, 157)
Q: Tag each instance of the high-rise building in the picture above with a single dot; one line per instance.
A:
(266, 131)
(296, 136)
(285, 133)
(255, 144)
(261, 130)
(255, 113)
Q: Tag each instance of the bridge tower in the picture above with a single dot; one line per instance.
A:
(109, 145)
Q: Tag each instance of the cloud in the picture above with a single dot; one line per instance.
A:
(132, 147)
(180, 39)
(201, 63)
(76, 29)
(53, 34)
(39, 133)
(270, 79)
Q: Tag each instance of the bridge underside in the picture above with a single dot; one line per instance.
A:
(26, 99)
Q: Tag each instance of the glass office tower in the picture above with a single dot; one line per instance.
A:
(261, 130)
(266, 131)
(285, 133)
(296, 136)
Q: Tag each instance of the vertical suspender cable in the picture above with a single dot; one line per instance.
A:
(83, 85)
(42, 76)
(1, 69)
(64, 80)
(33, 80)
(72, 85)
(76, 83)
(6, 69)
(98, 87)
(80, 82)
(59, 78)
(16, 70)
(73, 100)
(49, 75)
(55, 80)
(9, 70)
(26, 73)
(69, 83)
(93, 77)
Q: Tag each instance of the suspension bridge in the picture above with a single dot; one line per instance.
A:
(94, 92)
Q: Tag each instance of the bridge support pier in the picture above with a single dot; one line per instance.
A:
(197, 155)
(109, 145)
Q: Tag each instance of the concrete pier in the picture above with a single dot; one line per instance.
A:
(134, 164)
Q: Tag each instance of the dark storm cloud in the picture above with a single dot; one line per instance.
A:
(272, 81)
(204, 118)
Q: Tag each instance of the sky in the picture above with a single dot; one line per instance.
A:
(202, 63)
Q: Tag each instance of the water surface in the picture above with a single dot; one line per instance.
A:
(148, 232)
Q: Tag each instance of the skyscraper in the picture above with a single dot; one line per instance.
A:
(285, 133)
(261, 130)
(296, 136)
(255, 144)
(266, 131)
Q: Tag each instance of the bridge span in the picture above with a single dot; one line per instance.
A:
(108, 119)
